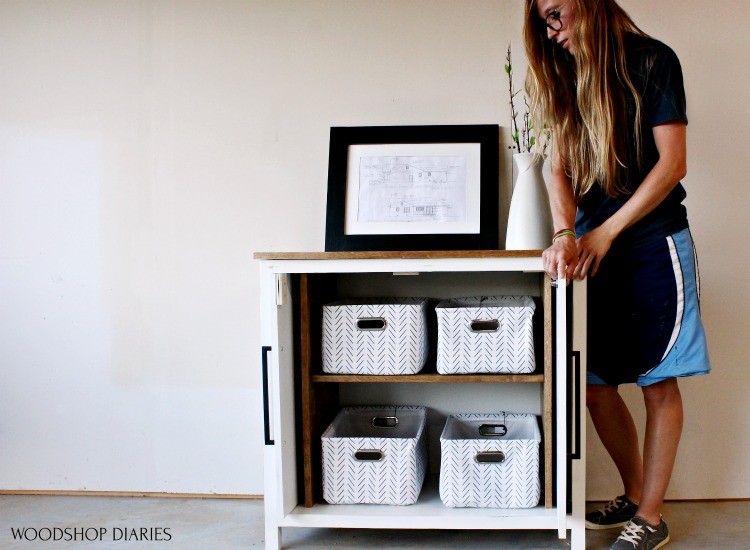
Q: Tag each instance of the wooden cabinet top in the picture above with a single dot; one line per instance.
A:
(417, 255)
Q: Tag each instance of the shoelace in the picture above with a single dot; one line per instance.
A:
(610, 507)
(633, 533)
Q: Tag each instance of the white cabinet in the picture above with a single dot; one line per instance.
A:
(300, 401)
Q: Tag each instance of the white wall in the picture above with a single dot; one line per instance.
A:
(128, 317)
(148, 148)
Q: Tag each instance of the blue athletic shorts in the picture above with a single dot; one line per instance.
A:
(643, 315)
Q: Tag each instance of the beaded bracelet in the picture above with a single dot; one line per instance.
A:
(563, 232)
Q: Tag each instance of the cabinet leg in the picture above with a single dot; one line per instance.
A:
(273, 537)
(578, 538)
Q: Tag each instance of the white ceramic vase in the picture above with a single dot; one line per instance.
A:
(530, 217)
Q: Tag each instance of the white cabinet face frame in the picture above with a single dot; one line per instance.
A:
(281, 478)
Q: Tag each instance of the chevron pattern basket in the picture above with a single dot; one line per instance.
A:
(490, 471)
(376, 336)
(488, 334)
(364, 463)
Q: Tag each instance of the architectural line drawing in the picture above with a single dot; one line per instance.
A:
(412, 189)
(402, 173)
(407, 208)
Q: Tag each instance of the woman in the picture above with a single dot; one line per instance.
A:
(616, 102)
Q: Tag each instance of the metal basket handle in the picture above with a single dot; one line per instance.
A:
(368, 455)
(484, 325)
(384, 421)
(489, 457)
(371, 323)
(493, 430)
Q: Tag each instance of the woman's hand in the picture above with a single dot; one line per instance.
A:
(592, 248)
(560, 259)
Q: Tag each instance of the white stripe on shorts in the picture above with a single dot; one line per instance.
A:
(680, 295)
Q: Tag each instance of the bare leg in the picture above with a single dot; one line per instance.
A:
(663, 431)
(616, 429)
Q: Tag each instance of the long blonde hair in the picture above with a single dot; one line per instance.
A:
(583, 96)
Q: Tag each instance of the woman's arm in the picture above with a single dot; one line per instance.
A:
(671, 167)
(561, 257)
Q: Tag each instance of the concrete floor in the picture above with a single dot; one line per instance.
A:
(233, 524)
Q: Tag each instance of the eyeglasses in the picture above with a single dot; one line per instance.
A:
(553, 21)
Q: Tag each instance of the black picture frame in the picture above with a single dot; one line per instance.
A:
(487, 137)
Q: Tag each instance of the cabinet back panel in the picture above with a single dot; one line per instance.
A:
(438, 285)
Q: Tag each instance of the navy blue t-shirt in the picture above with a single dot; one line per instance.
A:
(657, 76)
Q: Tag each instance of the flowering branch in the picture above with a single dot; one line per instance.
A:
(523, 139)
(512, 93)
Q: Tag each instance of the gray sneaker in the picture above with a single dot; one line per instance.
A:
(640, 535)
(616, 513)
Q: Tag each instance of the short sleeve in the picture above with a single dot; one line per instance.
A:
(665, 90)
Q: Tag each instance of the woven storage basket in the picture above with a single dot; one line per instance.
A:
(370, 458)
(375, 336)
(481, 468)
(486, 334)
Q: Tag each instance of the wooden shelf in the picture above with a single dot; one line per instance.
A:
(428, 513)
(435, 378)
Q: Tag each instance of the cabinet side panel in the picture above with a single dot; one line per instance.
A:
(578, 467)
(269, 338)
(285, 440)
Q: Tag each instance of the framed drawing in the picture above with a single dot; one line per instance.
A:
(413, 188)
